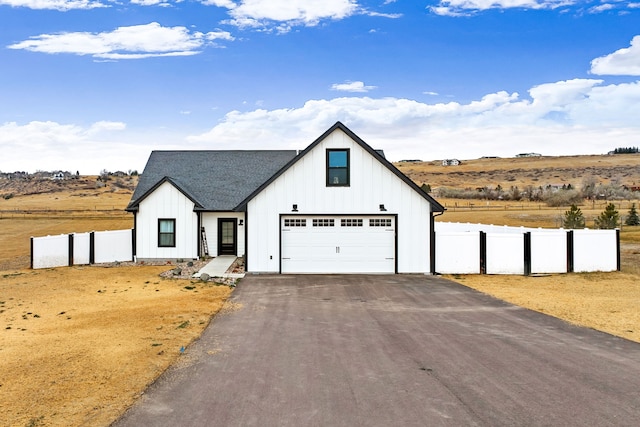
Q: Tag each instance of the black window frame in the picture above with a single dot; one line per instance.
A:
(347, 168)
(160, 233)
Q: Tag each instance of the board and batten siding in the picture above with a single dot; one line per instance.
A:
(210, 224)
(166, 202)
(371, 185)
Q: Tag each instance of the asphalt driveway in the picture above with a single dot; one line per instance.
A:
(397, 350)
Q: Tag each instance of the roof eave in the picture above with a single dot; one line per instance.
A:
(135, 206)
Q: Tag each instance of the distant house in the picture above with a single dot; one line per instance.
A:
(529, 155)
(451, 162)
(58, 175)
(336, 207)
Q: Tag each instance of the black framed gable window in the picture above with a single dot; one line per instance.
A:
(166, 233)
(338, 169)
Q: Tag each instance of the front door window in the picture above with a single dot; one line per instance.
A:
(227, 236)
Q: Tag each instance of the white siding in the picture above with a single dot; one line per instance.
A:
(166, 202)
(371, 184)
(210, 224)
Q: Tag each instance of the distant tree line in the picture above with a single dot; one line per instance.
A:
(552, 195)
(625, 150)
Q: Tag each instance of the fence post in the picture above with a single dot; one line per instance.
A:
(483, 252)
(70, 250)
(527, 253)
(133, 245)
(92, 247)
(570, 251)
(618, 249)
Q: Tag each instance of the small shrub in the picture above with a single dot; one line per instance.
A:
(633, 218)
(609, 218)
(573, 218)
(563, 198)
(183, 325)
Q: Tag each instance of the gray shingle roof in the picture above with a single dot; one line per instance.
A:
(213, 180)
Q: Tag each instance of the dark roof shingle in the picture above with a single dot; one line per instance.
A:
(214, 180)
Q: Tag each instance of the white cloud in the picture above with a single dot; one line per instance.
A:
(601, 8)
(61, 5)
(384, 15)
(430, 93)
(352, 87)
(68, 147)
(578, 116)
(567, 117)
(135, 42)
(264, 13)
(229, 4)
(163, 3)
(623, 62)
(105, 126)
(282, 15)
(467, 7)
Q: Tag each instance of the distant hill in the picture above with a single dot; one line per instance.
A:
(32, 184)
(623, 169)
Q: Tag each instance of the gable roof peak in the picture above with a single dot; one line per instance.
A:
(377, 154)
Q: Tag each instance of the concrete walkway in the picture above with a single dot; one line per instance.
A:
(218, 267)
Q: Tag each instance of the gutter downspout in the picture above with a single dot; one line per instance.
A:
(432, 241)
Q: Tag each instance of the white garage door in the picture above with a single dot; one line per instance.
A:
(334, 244)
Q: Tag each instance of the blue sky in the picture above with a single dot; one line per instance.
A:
(97, 84)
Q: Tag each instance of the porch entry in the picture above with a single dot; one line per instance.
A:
(227, 236)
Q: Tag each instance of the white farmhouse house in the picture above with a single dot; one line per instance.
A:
(337, 207)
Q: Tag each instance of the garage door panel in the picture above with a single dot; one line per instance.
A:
(341, 245)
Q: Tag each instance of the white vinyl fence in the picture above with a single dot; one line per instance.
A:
(460, 249)
(82, 248)
(488, 249)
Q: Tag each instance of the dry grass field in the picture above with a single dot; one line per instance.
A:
(78, 345)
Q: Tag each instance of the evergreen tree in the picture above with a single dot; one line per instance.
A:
(573, 218)
(609, 218)
(633, 218)
(426, 188)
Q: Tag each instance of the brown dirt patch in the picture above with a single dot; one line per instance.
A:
(79, 345)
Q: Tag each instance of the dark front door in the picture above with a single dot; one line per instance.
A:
(227, 236)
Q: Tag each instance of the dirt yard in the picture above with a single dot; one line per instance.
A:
(79, 345)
